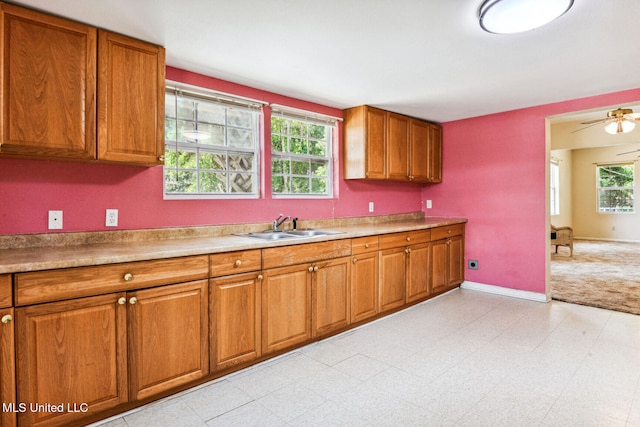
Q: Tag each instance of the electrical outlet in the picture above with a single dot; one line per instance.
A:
(55, 220)
(111, 218)
(429, 205)
(371, 207)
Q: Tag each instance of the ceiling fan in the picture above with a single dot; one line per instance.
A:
(629, 152)
(620, 120)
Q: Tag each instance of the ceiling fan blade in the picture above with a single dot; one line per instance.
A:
(587, 127)
(628, 152)
(594, 121)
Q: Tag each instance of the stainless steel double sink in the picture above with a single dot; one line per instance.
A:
(289, 234)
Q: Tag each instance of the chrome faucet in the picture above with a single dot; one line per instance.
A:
(277, 222)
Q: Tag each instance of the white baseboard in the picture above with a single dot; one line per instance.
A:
(508, 292)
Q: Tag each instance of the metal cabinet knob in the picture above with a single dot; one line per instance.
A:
(7, 318)
(408, 239)
(128, 277)
(310, 269)
(161, 159)
(315, 268)
(260, 277)
(366, 246)
(133, 300)
(122, 300)
(408, 250)
(238, 263)
(355, 260)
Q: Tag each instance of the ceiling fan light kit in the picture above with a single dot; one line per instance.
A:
(516, 16)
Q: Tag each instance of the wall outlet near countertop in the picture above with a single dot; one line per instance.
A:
(429, 205)
(371, 207)
(111, 219)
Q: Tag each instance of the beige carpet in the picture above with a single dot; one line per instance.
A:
(600, 274)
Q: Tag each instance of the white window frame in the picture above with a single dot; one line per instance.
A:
(229, 101)
(554, 189)
(309, 118)
(599, 189)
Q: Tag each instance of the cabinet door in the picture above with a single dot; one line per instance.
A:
(130, 100)
(286, 307)
(48, 85)
(376, 147)
(435, 153)
(364, 286)
(397, 147)
(168, 337)
(439, 263)
(330, 296)
(71, 352)
(456, 261)
(418, 272)
(419, 151)
(7, 368)
(392, 278)
(235, 319)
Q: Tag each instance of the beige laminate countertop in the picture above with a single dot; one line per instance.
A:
(78, 255)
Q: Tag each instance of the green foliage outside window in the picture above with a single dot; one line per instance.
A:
(616, 188)
(301, 154)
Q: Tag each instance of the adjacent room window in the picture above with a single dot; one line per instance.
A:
(211, 145)
(616, 184)
(555, 187)
(301, 153)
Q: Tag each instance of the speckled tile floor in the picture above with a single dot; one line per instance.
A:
(463, 359)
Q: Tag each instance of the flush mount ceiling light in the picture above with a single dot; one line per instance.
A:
(516, 16)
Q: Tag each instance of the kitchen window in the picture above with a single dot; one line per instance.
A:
(211, 144)
(301, 149)
(615, 183)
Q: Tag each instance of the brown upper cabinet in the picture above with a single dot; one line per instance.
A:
(70, 91)
(379, 144)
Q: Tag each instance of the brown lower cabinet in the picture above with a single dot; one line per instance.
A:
(286, 307)
(95, 353)
(447, 257)
(235, 319)
(146, 335)
(7, 368)
(364, 278)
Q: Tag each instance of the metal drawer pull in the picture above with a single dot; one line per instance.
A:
(128, 277)
(238, 263)
(7, 319)
(408, 239)
(133, 300)
(122, 300)
(366, 246)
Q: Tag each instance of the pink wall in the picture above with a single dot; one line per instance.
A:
(30, 188)
(494, 175)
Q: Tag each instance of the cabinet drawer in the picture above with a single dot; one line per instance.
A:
(299, 254)
(53, 285)
(5, 291)
(440, 233)
(230, 263)
(403, 239)
(362, 245)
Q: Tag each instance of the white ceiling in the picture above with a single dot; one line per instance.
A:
(425, 58)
